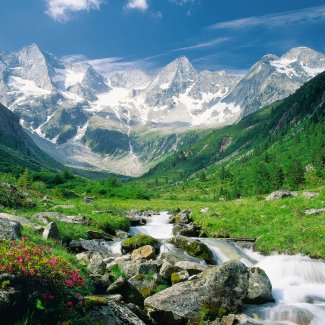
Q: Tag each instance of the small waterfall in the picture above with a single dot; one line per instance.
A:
(157, 226)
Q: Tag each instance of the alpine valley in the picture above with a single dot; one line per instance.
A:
(131, 121)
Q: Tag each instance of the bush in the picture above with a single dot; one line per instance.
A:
(46, 283)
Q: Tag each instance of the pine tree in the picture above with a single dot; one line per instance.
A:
(25, 179)
(296, 174)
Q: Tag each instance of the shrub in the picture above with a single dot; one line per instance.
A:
(45, 282)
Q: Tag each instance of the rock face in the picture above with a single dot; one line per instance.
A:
(51, 231)
(276, 195)
(221, 288)
(146, 252)
(260, 287)
(10, 229)
(194, 248)
(113, 314)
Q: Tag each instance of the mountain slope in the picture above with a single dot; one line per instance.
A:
(267, 142)
(17, 150)
(86, 121)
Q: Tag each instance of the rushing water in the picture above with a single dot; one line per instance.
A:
(298, 281)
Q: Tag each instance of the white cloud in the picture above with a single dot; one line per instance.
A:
(61, 10)
(137, 4)
(108, 66)
(275, 20)
(203, 45)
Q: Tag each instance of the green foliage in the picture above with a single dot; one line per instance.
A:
(115, 273)
(25, 179)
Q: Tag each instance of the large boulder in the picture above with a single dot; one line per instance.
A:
(10, 229)
(94, 245)
(137, 241)
(134, 267)
(189, 230)
(51, 231)
(191, 267)
(113, 314)
(172, 255)
(167, 269)
(260, 287)
(221, 289)
(277, 195)
(181, 217)
(194, 248)
(146, 252)
(146, 284)
(129, 293)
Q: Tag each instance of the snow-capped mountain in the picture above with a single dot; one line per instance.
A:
(274, 78)
(126, 122)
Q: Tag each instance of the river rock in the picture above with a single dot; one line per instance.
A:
(259, 287)
(122, 234)
(96, 264)
(167, 269)
(10, 229)
(137, 241)
(194, 248)
(222, 288)
(127, 291)
(173, 255)
(94, 245)
(191, 267)
(276, 195)
(146, 284)
(51, 231)
(134, 267)
(113, 314)
(180, 276)
(146, 252)
(93, 234)
(189, 230)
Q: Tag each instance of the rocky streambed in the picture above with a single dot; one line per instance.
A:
(163, 272)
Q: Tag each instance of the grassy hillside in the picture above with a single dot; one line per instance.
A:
(280, 146)
(17, 150)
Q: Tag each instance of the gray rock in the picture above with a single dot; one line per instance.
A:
(10, 229)
(312, 212)
(276, 195)
(309, 194)
(45, 217)
(222, 288)
(129, 293)
(180, 276)
(146, 284)
(194, 248)
(113, 314)
(167, 269)
(146, 252)
(131, 268)
(191, 267)
(205, 210)
(94, 245)
(93, 234)
(259, 287)
(79, 219)
(189, 230)
(96, 264)
(122, 234)
(51, 231)
(173, 255)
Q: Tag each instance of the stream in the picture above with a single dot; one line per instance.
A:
(298, 281)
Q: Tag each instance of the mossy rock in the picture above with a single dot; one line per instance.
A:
(91, 301)
(137, 241)
(194, 248)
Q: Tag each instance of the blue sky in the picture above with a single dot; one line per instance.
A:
(118, 34)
